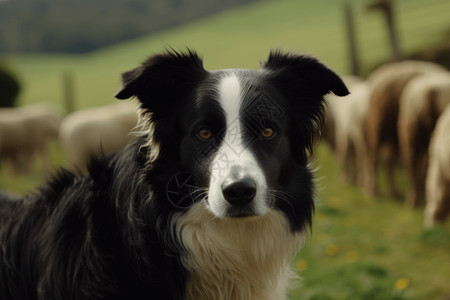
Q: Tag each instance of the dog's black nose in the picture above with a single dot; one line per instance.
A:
(240, 192)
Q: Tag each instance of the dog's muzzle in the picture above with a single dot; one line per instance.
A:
(238, 190)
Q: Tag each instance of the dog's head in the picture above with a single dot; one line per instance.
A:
(240, 138)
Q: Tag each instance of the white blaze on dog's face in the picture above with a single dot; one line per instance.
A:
(237, 183)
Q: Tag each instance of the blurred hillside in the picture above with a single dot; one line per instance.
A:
(84, 25)
(238, 37)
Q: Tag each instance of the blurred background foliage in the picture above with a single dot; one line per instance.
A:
(9, 87)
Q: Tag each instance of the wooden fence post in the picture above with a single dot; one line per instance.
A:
(69, 92)
(386, 7)
(351, 38)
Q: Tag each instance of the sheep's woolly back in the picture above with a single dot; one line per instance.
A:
(438, 176)
(105, 129)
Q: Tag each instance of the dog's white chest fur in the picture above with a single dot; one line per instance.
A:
(237, 259)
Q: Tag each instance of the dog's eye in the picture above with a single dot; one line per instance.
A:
(204, 134)
(267, 133)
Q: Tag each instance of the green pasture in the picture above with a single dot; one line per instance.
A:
(360, 247)
(370, 248)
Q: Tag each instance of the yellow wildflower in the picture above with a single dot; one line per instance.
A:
(331, 250)
(302, 265)
(401, 284)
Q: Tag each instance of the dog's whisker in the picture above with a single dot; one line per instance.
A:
(282, 196)
(199, 195)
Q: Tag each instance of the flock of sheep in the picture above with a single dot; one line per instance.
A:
(402, 111)
(25, 132)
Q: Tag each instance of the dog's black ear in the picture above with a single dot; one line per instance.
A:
(304, 74)
(160, 78)
(131, 80)
(303, 81)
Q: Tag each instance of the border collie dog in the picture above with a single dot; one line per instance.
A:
(210, 201)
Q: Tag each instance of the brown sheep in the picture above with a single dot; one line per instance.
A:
(438, 175)
(25, 132)
(386, 85)
(421, 103)
(87, 133)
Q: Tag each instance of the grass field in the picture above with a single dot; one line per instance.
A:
(370, 248)
(360, 247)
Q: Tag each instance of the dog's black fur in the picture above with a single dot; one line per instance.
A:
(108, 234)
(90, 237)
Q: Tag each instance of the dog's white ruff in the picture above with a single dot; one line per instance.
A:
(239, 259)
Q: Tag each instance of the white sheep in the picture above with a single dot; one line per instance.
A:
(86, 133)
(25, 132)
(438, 175)
(328, 133)
(421, 103)
(349, 113)
(386, 85)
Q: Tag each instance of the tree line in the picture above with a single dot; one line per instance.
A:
(85, 25)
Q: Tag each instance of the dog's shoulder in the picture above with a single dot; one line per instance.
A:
(6, 197)
(105, 169)
(7, 201)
